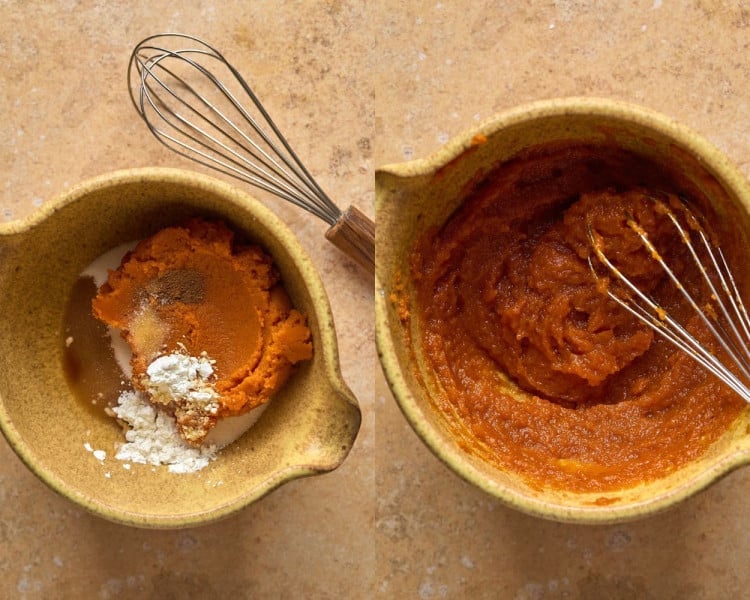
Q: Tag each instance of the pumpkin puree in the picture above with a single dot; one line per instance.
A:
(192, 289)
(539, 371)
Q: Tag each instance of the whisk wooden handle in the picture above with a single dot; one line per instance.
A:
(354, 234)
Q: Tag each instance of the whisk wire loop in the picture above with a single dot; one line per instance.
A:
(236, 164)
(728, 340)
(649, 312)
(724, 314)
(218, 141)
(733, 297)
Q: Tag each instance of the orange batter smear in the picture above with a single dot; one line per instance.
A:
(539, 371)
(191, 289)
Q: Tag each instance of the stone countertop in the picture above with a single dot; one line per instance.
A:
(354, 85)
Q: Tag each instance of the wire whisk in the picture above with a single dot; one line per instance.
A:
(198, 105)
(720, 307)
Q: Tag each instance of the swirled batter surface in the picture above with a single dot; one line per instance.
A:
(507, 302)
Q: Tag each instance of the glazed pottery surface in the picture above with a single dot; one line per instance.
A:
(420, 194)
(308, 428)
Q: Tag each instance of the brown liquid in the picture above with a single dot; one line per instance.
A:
(88, 360)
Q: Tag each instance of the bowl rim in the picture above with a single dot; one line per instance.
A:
(698, 146)
(308, 275)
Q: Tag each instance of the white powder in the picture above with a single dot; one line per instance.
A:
(153, 438)
(182, 379)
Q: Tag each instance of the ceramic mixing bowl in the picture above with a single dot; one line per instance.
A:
(308, 428)
(414, 196)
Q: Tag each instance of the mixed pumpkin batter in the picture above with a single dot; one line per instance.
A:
(540, 371)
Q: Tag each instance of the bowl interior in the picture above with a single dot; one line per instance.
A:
(415, 196)
(308, 428)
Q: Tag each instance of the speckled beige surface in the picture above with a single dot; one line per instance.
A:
(355, 85)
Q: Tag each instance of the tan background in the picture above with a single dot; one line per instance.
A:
(355, 85)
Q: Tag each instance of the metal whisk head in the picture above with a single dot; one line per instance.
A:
(721, 310)
(198, 105)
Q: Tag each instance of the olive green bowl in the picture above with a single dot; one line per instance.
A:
(308, 428)
(420, 194)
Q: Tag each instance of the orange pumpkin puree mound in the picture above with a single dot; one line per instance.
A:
(191, 289)
(540, 372)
